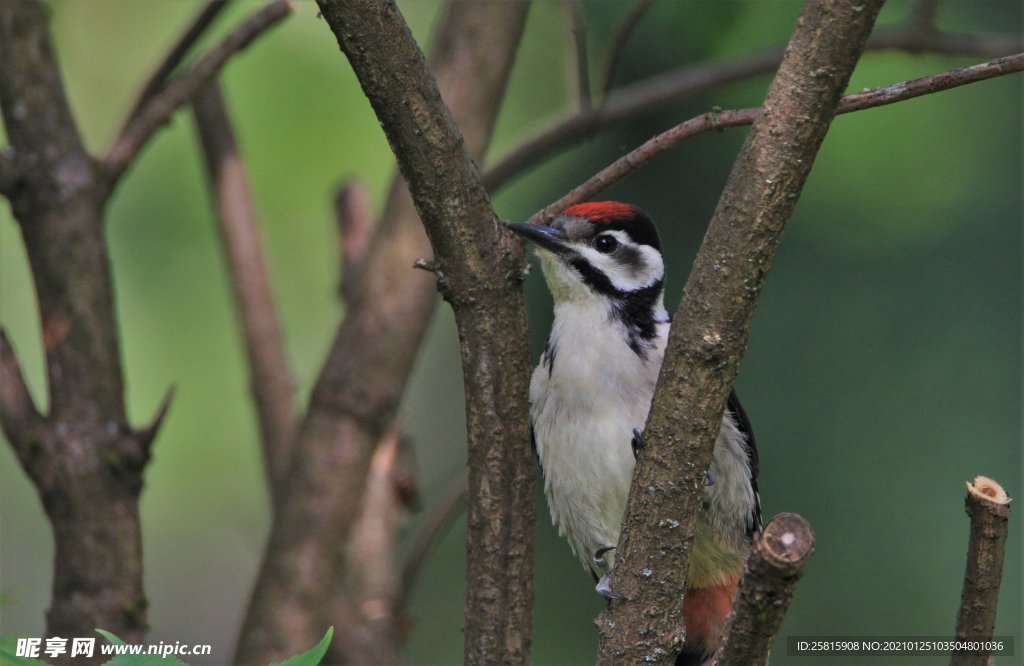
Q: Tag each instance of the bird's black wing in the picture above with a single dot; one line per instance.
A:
(743, 423)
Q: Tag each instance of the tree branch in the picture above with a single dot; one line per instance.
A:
(141, 127)
(19, 416)
(371, 585)
(645, 97)
(269, 371)
(927, 85)
(579, 35)
(482, 264)
(355, 231)
(146, 435)
(627, 103)
(719, 120)
(924, 14)
(360, 386)
(988, 505)
(618, 47)
(772, 570)
(952, 44)
(711, 325)
(84, 458)
(73, 288)
(919, 35)
(203, 20)
(433, 529)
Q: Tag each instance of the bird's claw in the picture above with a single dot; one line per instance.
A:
(599, 560)
(604, 584)
(638, 442)
(605, 590)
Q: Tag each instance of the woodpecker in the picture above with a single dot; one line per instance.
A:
(589, 399)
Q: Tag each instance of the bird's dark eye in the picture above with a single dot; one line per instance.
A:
(606, 244)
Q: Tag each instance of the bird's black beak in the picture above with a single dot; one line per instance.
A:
(549, 238)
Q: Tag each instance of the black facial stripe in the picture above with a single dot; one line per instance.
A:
(593, 277)
(635, 309)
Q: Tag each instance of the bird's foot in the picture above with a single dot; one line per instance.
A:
(604, 588)
(601, 564)
(710, 479)
(638, 442)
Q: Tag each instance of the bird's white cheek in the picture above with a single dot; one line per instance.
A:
(563, 284)
(632, 276)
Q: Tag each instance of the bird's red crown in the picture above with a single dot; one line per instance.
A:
(602, 211)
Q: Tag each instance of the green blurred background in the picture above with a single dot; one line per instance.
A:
(884, 366)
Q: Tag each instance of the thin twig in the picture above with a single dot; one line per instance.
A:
(579, 34)
(18, 412)
(649, 95)
(953, 44)
(146, 435)
(639, 156)
(764, 593)
(203, 20)
(355, 231)
(618, 47)
(626, 103)
(988, 505)
(435, 526)
(269, 370)
(927, 85)
(158, 111)
(717, 120)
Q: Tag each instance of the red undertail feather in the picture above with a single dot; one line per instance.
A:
(705, 610)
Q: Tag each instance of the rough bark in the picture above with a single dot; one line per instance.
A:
(358, 390)
(711, 325)
(84, 459)
(478, 267)
(988, 506)
(770, 576)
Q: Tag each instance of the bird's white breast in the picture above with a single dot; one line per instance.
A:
(584, 410)
(585, 403)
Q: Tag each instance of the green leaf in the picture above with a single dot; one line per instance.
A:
(114, 640)
(313, 657)
(137, 659)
